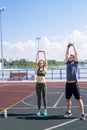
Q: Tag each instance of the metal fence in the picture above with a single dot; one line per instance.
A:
(52, 74)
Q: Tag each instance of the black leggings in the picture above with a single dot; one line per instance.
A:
(41, 89)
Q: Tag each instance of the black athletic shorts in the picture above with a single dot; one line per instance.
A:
(72, 88)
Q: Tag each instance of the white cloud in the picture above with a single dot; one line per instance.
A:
(54, 46)
(19, 50)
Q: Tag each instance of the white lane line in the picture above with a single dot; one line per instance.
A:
(28, 104)
(58, 100)
(62, 124)
(34, 107)
(54, 92)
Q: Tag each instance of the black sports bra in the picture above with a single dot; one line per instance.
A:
(41, 72)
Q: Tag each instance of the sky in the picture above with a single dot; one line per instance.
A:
(57, 22)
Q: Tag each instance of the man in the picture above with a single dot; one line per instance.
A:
(71, 84)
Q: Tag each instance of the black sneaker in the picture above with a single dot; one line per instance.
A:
(82, 117)
(68, 114)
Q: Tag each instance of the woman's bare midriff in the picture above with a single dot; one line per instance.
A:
(41, 79)
(71, 81)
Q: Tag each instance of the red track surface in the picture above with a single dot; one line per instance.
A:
(11, 93)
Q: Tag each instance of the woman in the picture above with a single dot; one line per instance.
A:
(41, 83)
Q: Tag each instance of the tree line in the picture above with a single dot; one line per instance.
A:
(23, 63)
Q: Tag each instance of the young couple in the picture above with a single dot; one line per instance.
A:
(71, 83)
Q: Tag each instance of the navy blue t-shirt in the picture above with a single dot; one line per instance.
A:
(72, 70)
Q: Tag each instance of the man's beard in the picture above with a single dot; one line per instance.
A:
(71, 61)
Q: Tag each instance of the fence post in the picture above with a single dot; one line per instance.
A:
(52, 73)
(26, 74)
(61, 74)
(78, 73)
(19, 75)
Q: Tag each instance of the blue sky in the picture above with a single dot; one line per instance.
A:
(24, 20)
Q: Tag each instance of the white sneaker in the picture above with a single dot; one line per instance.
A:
(68, 114)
